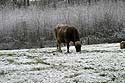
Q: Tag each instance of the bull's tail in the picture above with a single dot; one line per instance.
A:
(55, 33)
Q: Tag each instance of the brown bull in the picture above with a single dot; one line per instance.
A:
(66, 34)
(122, 44)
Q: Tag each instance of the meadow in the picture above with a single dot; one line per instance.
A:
(99, 63)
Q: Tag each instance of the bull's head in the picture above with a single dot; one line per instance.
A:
(78, 46)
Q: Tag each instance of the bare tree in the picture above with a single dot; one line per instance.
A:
(3, 2)
(26, 2)
(20, 3)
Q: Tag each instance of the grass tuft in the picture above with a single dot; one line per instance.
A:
(88, 68)
(10, 54)
(73, 75)
(10, 61)
(38, 60)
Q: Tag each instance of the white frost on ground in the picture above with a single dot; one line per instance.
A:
(101, 63)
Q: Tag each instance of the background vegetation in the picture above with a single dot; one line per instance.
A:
(29, 24)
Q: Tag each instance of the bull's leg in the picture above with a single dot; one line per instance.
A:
(59, 47)
(68, 47)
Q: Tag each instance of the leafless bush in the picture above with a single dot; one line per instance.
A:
(33, 27)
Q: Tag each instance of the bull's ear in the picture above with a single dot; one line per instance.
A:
(78, 43)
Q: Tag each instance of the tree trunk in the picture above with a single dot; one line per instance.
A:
(28, 2)
(24, 2)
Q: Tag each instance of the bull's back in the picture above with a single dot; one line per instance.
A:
(66, 34)
(72, 34)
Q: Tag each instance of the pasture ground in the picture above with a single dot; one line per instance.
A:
(101, 63)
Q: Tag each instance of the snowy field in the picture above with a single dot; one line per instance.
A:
(101, 63)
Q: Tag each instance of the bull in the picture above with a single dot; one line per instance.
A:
(122, 44)
(66, 34)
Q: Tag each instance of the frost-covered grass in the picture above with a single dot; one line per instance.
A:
(101, 63)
